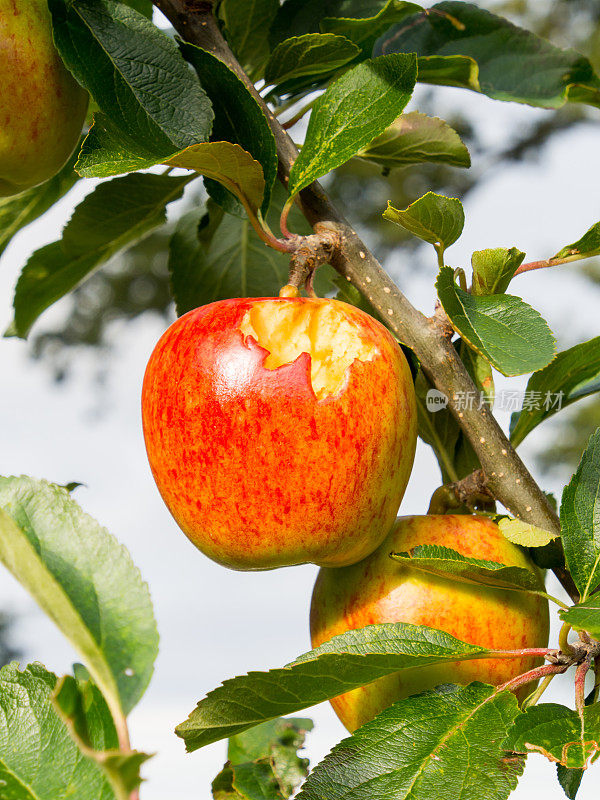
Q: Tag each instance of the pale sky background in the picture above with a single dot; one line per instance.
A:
(216, 623)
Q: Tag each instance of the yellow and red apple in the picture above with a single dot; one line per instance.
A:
(380, 589)
(42, 107)
(280, 430)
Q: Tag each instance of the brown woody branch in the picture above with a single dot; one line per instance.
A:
(506, 476)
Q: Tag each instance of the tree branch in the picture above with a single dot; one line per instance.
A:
(507, 477)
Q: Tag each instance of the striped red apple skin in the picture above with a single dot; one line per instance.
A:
(380, 589)
(256, 469)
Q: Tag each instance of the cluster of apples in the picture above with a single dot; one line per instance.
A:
(282, 431)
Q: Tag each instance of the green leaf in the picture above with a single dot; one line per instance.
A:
(247, 27)
(580, 520)
(228, 164)
(18, 211)
(493, 269)
(213, 257)
(453, 565)
(107, 150)
(114, 216)
(308, 55)
(584, 616)
(557, 732)
(445, 743)
(514, 64)
(278, 740)
(351, 113)
(264, 762)
(82, 708)
(511, 335)
(569, 779)
(574, 373)
(434, 218)
(360, 21)
(135, 74)
(371, 21)
(415, 138)
(38, 759)
(86, 583)
(238, 117)
(345, 662)
(297, 17)
(522, 533)
(259, 742)
(252, 781)
(588, 245)
(144, 7)
(460, 71)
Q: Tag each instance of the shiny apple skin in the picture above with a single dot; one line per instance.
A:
(42, 107)
(255, 470)
(380, 589)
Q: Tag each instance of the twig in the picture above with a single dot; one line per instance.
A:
(525, 652)
(289, 123)
(553, 262)
(533, 675)
(516, 489)
(581, 672)
(310, 253)
(535, 696)
(563, 639)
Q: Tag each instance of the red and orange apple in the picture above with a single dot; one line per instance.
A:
(280, 430)
(380, 589)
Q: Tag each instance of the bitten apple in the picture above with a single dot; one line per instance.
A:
(280, 430)
(380, 589)
(42, 107)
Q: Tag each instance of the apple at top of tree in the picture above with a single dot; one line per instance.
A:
(380, 589)
(42, 107)
(280, 430)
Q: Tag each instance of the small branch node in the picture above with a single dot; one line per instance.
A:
(472, 492)
(440, 321)
(309, 253)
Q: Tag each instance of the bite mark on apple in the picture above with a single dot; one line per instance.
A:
(317, 327)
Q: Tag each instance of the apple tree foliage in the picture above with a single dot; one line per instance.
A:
(169, 106)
